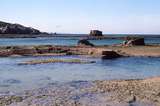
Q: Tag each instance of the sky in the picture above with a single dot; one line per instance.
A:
(80, 16)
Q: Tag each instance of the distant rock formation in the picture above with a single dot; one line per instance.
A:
(8, 28)
(96, 33)
(84, 43)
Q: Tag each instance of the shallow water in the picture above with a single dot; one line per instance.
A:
(15, 77)
(62, 41)
(52, 41)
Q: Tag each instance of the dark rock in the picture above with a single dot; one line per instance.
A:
(132, 101)
(110, 55)
(84, 43)
(7, 28)
(42, 49)
(139, 41)
(96, 33)
(5, 53)
(131, 41)
(24, 50)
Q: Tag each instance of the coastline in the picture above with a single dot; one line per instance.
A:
(143, 92)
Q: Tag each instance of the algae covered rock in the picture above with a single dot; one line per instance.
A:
(75, 61)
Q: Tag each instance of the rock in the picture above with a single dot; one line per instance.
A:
(110, 54)
(139, 41)
(134, 41)
(96, 33)
(50, 49)
(84, 43)
(26, 50)
(132, 100)
(5, 53)
(42, 49)
(8, 28)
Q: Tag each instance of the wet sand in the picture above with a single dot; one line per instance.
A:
(98, 93)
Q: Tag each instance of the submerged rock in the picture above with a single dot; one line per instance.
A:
(84, 43)
(76, 61)
(12, 81)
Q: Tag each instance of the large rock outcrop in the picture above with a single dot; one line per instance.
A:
(8, 28)
(133, 41)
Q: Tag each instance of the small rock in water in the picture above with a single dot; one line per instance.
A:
(110, 54)
(84, 42)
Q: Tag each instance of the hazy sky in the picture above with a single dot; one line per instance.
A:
(79, 16)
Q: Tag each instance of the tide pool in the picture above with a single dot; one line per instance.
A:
(14, 77)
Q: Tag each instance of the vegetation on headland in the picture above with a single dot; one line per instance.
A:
(13, 29)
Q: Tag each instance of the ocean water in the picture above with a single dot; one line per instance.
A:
(63, 41)
(14, 77)
(52, 41)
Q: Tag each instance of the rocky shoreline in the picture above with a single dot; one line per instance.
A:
(136, 92)
(97, 51)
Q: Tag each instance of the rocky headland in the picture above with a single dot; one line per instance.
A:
(9, 30)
